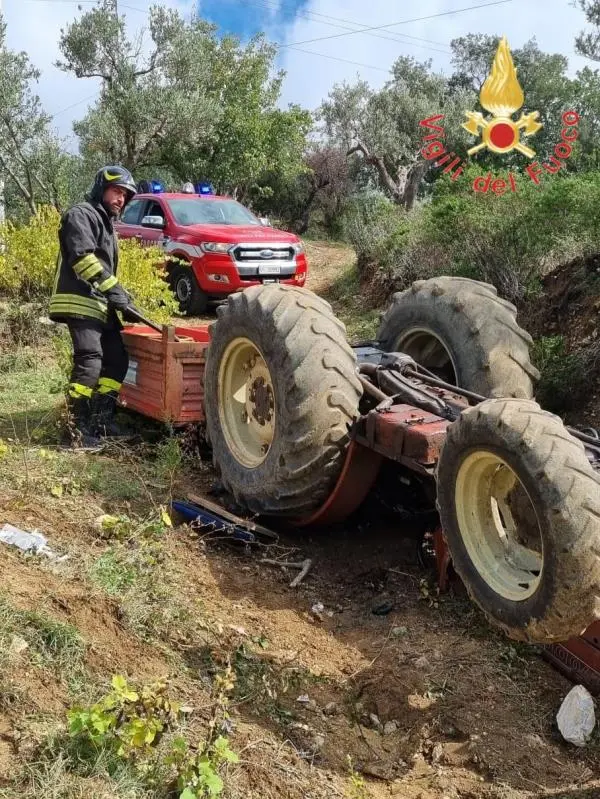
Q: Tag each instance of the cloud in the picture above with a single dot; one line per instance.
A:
(245, 18)
(34, 26)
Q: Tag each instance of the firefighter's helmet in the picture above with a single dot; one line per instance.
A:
(113, 176)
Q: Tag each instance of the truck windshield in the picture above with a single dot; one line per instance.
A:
(211, 212)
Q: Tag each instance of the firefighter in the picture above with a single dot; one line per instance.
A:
(86, 297)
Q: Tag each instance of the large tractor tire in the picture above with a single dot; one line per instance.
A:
(281, 392)
(533, 568)
(464, 333)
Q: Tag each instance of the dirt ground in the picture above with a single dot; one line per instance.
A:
(427, 700)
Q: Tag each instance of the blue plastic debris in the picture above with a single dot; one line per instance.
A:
(206, 519)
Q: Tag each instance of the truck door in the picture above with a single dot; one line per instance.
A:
(152, 235)
(128, 226)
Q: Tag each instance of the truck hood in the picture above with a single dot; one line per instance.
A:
(239, 233)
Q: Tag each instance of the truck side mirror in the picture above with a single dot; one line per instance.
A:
(153, 221)
(264, 220)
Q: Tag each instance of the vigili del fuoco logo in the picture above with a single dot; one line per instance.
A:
(501, 95)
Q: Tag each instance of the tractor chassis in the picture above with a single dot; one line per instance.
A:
(412, 435)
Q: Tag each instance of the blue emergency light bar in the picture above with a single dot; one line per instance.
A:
(156, 187)
(204, 188)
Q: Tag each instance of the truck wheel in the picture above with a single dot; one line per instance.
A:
(192, 300)
(281, 391)
(464, 333)
(533, 568)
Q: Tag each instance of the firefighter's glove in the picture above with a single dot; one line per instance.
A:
(118, 298)
(129, 314)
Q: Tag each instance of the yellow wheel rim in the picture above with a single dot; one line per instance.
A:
(246, 402)
(429, 351)
(507, 554)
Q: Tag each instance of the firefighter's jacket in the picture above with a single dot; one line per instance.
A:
(86, 283)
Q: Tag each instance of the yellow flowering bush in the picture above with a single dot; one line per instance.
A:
(28, 257)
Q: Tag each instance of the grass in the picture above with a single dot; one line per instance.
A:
(29, 399)
(120, 484)
(52, 643)
(136, 571)
(111, 574)
(57, 777)
(10, 694)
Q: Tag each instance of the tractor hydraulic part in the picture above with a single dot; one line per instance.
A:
(405, 392)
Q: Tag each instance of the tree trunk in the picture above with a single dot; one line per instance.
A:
(27, 196)
(403, 191)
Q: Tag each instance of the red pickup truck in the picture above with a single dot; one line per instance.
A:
(223, 246)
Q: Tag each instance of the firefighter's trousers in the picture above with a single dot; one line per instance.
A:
(100, 360)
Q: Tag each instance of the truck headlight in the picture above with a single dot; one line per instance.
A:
(299, 248)
(216, 246)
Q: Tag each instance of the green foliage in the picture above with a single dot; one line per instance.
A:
(126, 721)
(129, 724)
(376, 228)
(28, 265)
(199, 105)
(124, 528)
(31, 158)
(564, 375)
(357, 788)
(391, 249)
(198, 769)
(511, 241)
(141, 271)
(588, 42)
(384, 124)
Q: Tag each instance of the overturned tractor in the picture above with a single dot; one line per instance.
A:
(302, 424)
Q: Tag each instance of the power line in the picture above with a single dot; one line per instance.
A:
(343, 60)
(293, 46)
(402, 22)
(360, 28)
(74, 105)
(297, 49)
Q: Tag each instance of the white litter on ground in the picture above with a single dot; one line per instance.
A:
(29, 542)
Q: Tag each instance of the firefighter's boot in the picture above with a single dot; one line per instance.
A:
(104, 406)
(80, 432)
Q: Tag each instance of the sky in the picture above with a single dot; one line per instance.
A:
(343, 53)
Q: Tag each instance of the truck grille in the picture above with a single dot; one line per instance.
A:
(263, 253)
